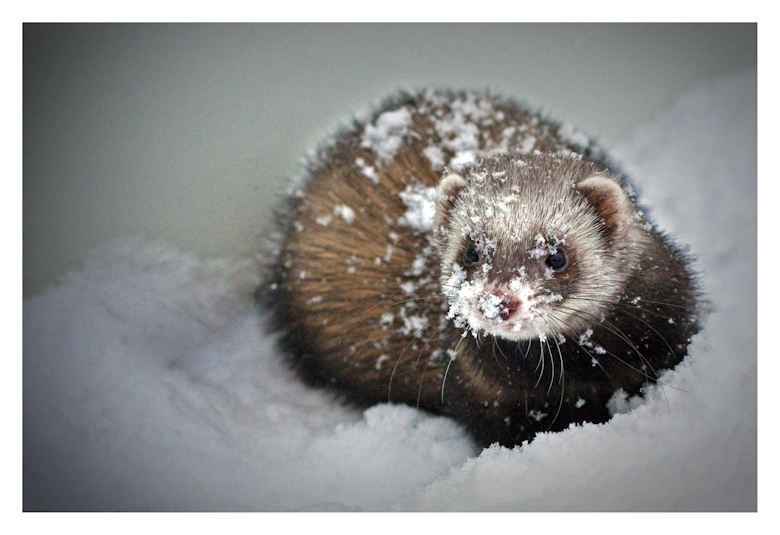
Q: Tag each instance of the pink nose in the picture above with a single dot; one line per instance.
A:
(497, 306)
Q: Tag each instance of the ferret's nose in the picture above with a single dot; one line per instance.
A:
(497, 306)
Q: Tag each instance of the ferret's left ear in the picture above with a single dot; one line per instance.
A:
(610, 201)
(446, 193)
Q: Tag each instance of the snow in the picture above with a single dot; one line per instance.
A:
(345, 212)
(149, 384)
(367, 170)
(421, 207)
(386, 136)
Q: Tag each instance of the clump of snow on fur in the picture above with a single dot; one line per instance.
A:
(462, 296)
(386, 136)
(421, 207)
(346, 213)
(491, 305)
(461, 133)
(369, 171)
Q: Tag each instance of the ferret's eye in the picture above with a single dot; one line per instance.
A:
(557, 261)
(470, 256)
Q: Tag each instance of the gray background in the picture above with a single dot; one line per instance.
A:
(188, 133)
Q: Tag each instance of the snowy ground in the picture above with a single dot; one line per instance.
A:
(148, 384)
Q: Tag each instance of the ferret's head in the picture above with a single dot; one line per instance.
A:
(534, 246)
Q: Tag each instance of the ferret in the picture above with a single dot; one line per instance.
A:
(461, 254)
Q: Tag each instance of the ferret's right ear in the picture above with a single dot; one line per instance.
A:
(446, 193)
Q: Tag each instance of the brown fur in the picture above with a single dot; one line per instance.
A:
(337, 291)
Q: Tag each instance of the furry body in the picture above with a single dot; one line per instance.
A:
(523, 313)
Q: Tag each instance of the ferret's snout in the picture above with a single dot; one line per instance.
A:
(497, 305)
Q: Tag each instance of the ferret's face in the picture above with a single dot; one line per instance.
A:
(529, 251)
(511, 289)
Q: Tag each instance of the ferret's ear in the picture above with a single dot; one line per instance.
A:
(446, 193)
(610, 201)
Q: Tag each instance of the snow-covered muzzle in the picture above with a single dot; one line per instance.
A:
(514, 311)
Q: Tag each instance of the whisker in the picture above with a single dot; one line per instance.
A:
(500, 351)
(411, 341)
(629, 306)
(655, 331)
(527, 349)
(563, 390)
(422, 375)
(452, 357)
(552, 365)
(615, 330)
(620, 334)
(422, 381)
(541, 361)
